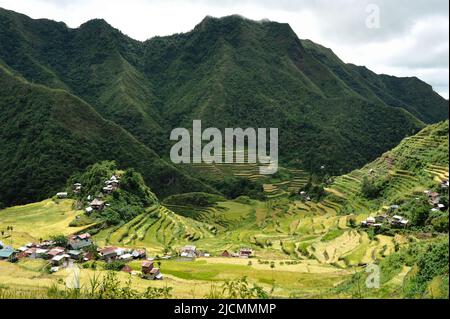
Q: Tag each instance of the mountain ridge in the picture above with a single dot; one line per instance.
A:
(228, 72)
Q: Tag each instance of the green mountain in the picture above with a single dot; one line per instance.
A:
(229, 72)
(48, 134)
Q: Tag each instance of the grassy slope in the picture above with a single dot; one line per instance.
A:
(38, 221)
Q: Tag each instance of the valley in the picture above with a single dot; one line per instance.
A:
(300, 248)
(92, 206)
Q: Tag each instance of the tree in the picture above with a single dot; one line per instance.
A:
(60, 240)
(272, 266)
(369, 189)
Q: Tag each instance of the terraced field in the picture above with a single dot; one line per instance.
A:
(38, 220)
(251, 171)
(418, 161)
(297, 180)
(157, 228)
(311, 244)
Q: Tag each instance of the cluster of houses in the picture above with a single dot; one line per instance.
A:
(192, 252)
(111, 253)
(434, 198)
(97, 203)
(111, 185)
(49, 250)
(77, 252)
(242, 253)
(396, 221)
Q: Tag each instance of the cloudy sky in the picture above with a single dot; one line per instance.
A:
(398, 37)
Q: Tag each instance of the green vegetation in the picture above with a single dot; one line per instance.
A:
(81, 105)
(73, 97)
(38, 221)
(54, 135)
(124, 204)
(417, 271)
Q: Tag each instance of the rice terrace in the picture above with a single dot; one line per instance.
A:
(346, 198)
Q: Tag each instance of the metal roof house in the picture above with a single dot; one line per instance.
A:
(7, 253)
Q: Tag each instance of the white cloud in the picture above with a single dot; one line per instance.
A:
(412, 39)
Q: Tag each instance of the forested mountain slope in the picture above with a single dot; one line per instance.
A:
(48, 134)
(228, 72)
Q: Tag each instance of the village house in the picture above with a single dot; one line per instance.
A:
(62, 195)
(399, 221)
(146, 267)
(371, 222)
(245, 253)
(393, 208)
(108, 189)
(60, 260)
(150, 272)
(121, 251)
(114, 182)
(88, 256)
(21, 255)
(35, 253)
(77, 188)
(55, 252)
(189, 252)
(21, 249)
(78, 242)
(155, 274)
(111, 185)
(226, 254)
(434, 198)
(445, 184)
(139, 253)
(97, 204)
(75, 254)
(46, 244)
(108, 253)
(88, 210)
(7, 253)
